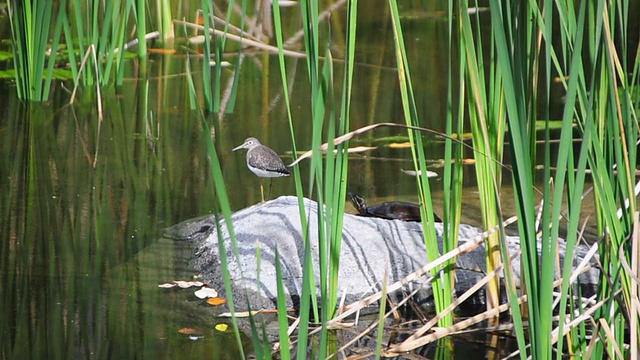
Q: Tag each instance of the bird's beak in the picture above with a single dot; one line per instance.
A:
(237, 148)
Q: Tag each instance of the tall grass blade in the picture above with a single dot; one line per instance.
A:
(308, 281)
(30, 23)
(165, 20)
(62, 17)
(338, 190)
(442, 290)
(207, 12)
(141, 28)
(282, 312)
(223, 202)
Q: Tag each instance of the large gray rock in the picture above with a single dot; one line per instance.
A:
(369, 247)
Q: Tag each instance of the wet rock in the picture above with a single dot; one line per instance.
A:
(370, 246)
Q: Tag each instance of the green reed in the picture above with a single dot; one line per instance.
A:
(443, 289)
(607, 108)
(30, 23)
(453, 170)
(222, 205)
(327, 182)
(308, 281)
(99, 29)
(598, 88)
(487, 121)
(321, 181)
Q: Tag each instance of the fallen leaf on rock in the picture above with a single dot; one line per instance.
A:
(167, 285)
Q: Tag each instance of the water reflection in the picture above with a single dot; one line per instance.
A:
(80, 265)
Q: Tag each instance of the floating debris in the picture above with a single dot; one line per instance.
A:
(216, 301)
(206, 292)
(183, 284)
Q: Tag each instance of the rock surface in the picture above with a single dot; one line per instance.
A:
(369, 247)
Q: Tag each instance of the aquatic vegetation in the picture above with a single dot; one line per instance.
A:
(506, 66)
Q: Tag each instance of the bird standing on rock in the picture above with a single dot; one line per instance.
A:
(263, 161)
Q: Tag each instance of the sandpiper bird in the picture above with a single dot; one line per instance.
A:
(263, 161)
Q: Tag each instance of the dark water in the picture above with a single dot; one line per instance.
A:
(82, 200)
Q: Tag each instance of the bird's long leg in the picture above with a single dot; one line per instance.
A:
(270, 187)
(261, 190)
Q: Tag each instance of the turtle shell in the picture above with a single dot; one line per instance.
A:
(395, 210)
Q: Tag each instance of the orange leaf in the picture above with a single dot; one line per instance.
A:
(216, 301)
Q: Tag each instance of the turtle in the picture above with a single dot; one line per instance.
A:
(395, 210)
